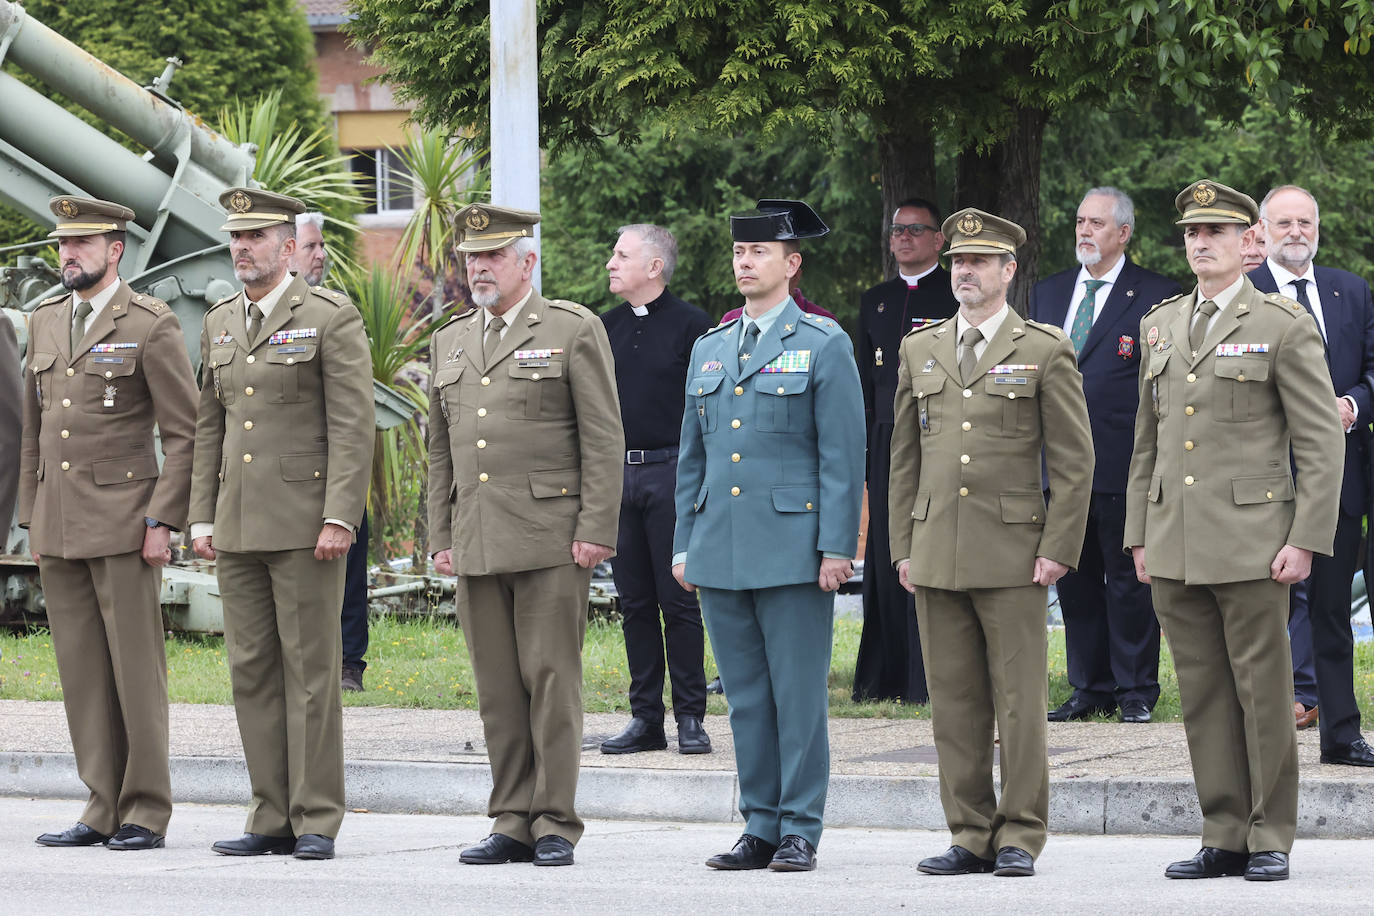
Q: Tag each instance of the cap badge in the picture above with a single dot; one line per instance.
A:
(970, 224)
(1204, 195)
(478, 220)
(240, 202)
(67, 209)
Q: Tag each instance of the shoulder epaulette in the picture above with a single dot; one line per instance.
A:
(569, 306)
(1289, 306)
(151, 303)
(1051, 329)
(829, 325)
(1160, 305)
(330, 295)
(52, 301)
(463, 314)
(927, 326)
(722, 326)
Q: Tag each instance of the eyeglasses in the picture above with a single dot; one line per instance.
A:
(915, 230)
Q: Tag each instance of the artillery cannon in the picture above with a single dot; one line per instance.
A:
(174, 249)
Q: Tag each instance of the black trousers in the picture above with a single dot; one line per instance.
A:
(644, 578)
(1333, 643)
(354, 617)
(889, 665)
(1111, 634)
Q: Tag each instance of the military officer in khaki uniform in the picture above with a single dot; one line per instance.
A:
(105, 365)
(525, 458)
(1232, 378)
(283, 455)
(979, 396)
(11, 420)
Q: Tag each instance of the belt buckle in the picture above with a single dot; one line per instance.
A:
(634, 456)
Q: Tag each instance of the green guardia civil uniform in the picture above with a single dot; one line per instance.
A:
(526, 452)
(968, 508)
(284, 440)
(1213, 496)
(89, 478)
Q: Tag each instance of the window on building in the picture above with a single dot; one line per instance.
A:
(383, 180)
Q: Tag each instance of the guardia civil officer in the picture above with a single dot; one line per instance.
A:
(526, 453)
(1233, 382)
(105, 366)
(979, 398)
(769, 487)
(283, 455)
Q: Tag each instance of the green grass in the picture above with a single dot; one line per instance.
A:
(424, 664)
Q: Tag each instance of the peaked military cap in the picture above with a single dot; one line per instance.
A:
(487, 228)
(777, 221)
(973, 231)
(253, 208)
(1207, 201)
(87, 216)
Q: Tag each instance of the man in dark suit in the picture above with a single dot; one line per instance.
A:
(1110, 631)
(889, 664)
(1340, 302)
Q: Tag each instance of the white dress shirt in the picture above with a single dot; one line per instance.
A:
(1080, 289)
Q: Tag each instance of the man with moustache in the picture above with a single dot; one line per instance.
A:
(105, 366)
(1235, 403)
(769, 489)
(284, 441)
(651, 335)
(1110, 632)
(889, 665)
(1340, 303)
(526, 453)
(309, 264)
(972, 420)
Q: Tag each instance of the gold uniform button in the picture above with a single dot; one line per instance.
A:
(1268, 494)
(808, 505)
(967, 393)
(248, 391)
(966, 426)
(109, 374)
(1035, 518)
(1188, 480)
(780, 389)
(1240, 376)
(128, 475)
(481, 411)
(734, 491)
(66, 465)
(251, 359)
(920, 394)
(66, 402)
(1188, 410)
(486, 380)
(963, 459)
(963, 491)
(317, 474)
(483, 477)
(71, 371)
(1188, 445)
(700, 389)
(1011, 395)
(291, 360)
(1192, 377)
(734, 424)
(1149, 375)
(535, 376)
(247, 424)
(481, 443)
(563, 491)
(735, 457)
(738, 390)
(66, 434)
(247, 459)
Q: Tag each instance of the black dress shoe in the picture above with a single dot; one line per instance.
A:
(1210, 862)
(1135, 712)
(794, 854)
(314, 846)
(76, 835)
(1267, 866)
(497, 849)
(1355, 754)
(956, 861)
(691, 737)
(132, 836)
(1013, 862)
(639, 735)
(256, 844)
(552, 850)
(750, 852)
(1076, 708)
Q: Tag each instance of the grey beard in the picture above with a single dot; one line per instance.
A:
(1292, 265)
(1087, 258)
(486, 300)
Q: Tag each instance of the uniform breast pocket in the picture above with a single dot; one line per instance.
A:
(1159, 382)
(782, 402)
(538, 391)
(223, 369)
(1019, 396)
(291, 364)
(928, 390)
(108, 383)
(1239, 389)
(447, 391)
(701, 397)
(40, 364)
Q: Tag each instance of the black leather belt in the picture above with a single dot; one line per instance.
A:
(650, 455)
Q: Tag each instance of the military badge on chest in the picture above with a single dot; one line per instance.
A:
(110, 392)
(1125, 346)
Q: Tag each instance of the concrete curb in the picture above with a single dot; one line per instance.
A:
(1333, 809)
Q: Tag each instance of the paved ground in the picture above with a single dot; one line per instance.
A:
(408, 864)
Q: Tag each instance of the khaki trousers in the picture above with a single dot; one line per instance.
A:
(1235, 680)
(281, 632)
(106, 623)
(985, 656)
(524, 633)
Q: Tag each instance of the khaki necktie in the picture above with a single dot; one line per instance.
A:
(254, 323)
(493, 338)
(967, 358)
(1205, 310)
(83, 309)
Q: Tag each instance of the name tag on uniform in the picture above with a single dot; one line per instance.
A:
(790, 361)
(538, 354)
(531, 363)
(113, 347)
(1241, 349)
(1013, 368)
(1009, 380)
(712, 365)
(290, 349)
(108, 359)
(290, 334)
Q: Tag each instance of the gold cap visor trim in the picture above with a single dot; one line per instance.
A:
(82, 229)
(981, 246)
(1213, 215)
